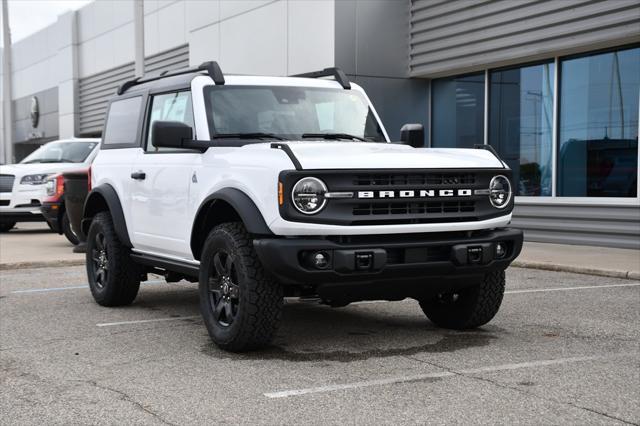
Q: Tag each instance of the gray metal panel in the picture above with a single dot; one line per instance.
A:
(95, 91)
(609, 226)
(371, 37)
(460, 35)
(47, 128)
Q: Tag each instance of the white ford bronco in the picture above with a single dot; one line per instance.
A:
(261, 188)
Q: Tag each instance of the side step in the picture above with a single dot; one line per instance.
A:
(166, 264)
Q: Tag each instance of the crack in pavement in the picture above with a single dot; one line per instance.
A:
(519, 390)
(126, 397)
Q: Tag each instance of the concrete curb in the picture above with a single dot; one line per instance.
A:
(45, 264)
(630, 275)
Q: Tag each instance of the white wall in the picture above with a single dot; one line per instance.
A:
(105, 36)
(262, 37)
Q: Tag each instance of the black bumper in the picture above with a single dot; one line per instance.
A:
(11, 217)
(51, 213)
(394, 259)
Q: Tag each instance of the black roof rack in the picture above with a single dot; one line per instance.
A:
(212, 68)
(335, 72)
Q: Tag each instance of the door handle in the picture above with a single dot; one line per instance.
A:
(138, 175)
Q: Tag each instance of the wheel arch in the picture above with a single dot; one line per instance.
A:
(105, 198)
(226, 205)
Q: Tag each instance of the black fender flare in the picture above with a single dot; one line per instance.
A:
(106, 196)
(241, 203)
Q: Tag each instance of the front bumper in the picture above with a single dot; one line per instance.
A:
(21, 205)
(20, 214)
(401, 259)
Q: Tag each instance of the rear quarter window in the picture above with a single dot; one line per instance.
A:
(122, 122)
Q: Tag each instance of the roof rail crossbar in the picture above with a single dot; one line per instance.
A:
(334, 72)
(212, 68)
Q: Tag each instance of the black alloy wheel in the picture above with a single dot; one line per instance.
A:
(224, 291)
(100, 260)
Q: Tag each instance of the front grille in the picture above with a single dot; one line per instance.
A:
(389, 197)
(6, 183)
(404, 179)
(4, 203)
(400, 208)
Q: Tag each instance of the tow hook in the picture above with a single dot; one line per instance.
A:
(473, 254)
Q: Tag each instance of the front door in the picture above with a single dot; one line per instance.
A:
(161, 178)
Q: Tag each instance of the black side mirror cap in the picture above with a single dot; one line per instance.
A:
(174, 134)
(412, 135)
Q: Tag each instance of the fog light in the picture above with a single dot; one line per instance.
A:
(501, 250)
(320, 260)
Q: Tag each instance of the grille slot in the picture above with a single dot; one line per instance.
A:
(419, 208)
(6, 183)
(404, 179)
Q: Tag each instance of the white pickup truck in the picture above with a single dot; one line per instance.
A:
(261, 188)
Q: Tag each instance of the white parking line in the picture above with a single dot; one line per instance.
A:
(442, 374)
(109, 324)
(74, 287)
(585, 287)
(44, 290)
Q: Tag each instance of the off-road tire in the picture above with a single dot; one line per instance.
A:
(473, 306)
(122, 280)
(258, 297)
(67, 231)
(7, 226)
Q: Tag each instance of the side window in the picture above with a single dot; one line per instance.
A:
(174, 106)
(122, 122)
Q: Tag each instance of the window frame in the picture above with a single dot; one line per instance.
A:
(147, 119)
(141, 114)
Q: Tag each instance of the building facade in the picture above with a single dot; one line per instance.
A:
(553, 86)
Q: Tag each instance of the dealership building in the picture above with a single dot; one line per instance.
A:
(553, 86)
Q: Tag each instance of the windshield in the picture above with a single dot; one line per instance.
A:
(292, 113)
(61, 152)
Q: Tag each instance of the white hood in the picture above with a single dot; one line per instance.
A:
(37, 168)
(367, 155)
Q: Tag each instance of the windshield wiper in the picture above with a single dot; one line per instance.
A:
(255, 135)
(333, 136)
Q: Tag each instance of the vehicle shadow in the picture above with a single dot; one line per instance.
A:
(311, 332)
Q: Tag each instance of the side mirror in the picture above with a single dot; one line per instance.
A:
(171, 134)
(413, 135)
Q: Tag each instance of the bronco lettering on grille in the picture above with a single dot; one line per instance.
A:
(418, 193)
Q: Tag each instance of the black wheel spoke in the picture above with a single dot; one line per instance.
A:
(218, 310)
(100, 242)
(228, 265)
(217, 263)
(228, 312)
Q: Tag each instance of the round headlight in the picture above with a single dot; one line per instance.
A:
(499, 191)
(308, 195)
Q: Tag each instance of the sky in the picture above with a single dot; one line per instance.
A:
(28, 16)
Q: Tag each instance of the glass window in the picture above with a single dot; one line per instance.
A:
(457, 111)
(170, 107)
(521, 124)
(290, 112)
(61, 152)
(122, 122)
(598, 128)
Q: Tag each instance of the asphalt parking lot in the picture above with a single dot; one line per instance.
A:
(563, 349)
